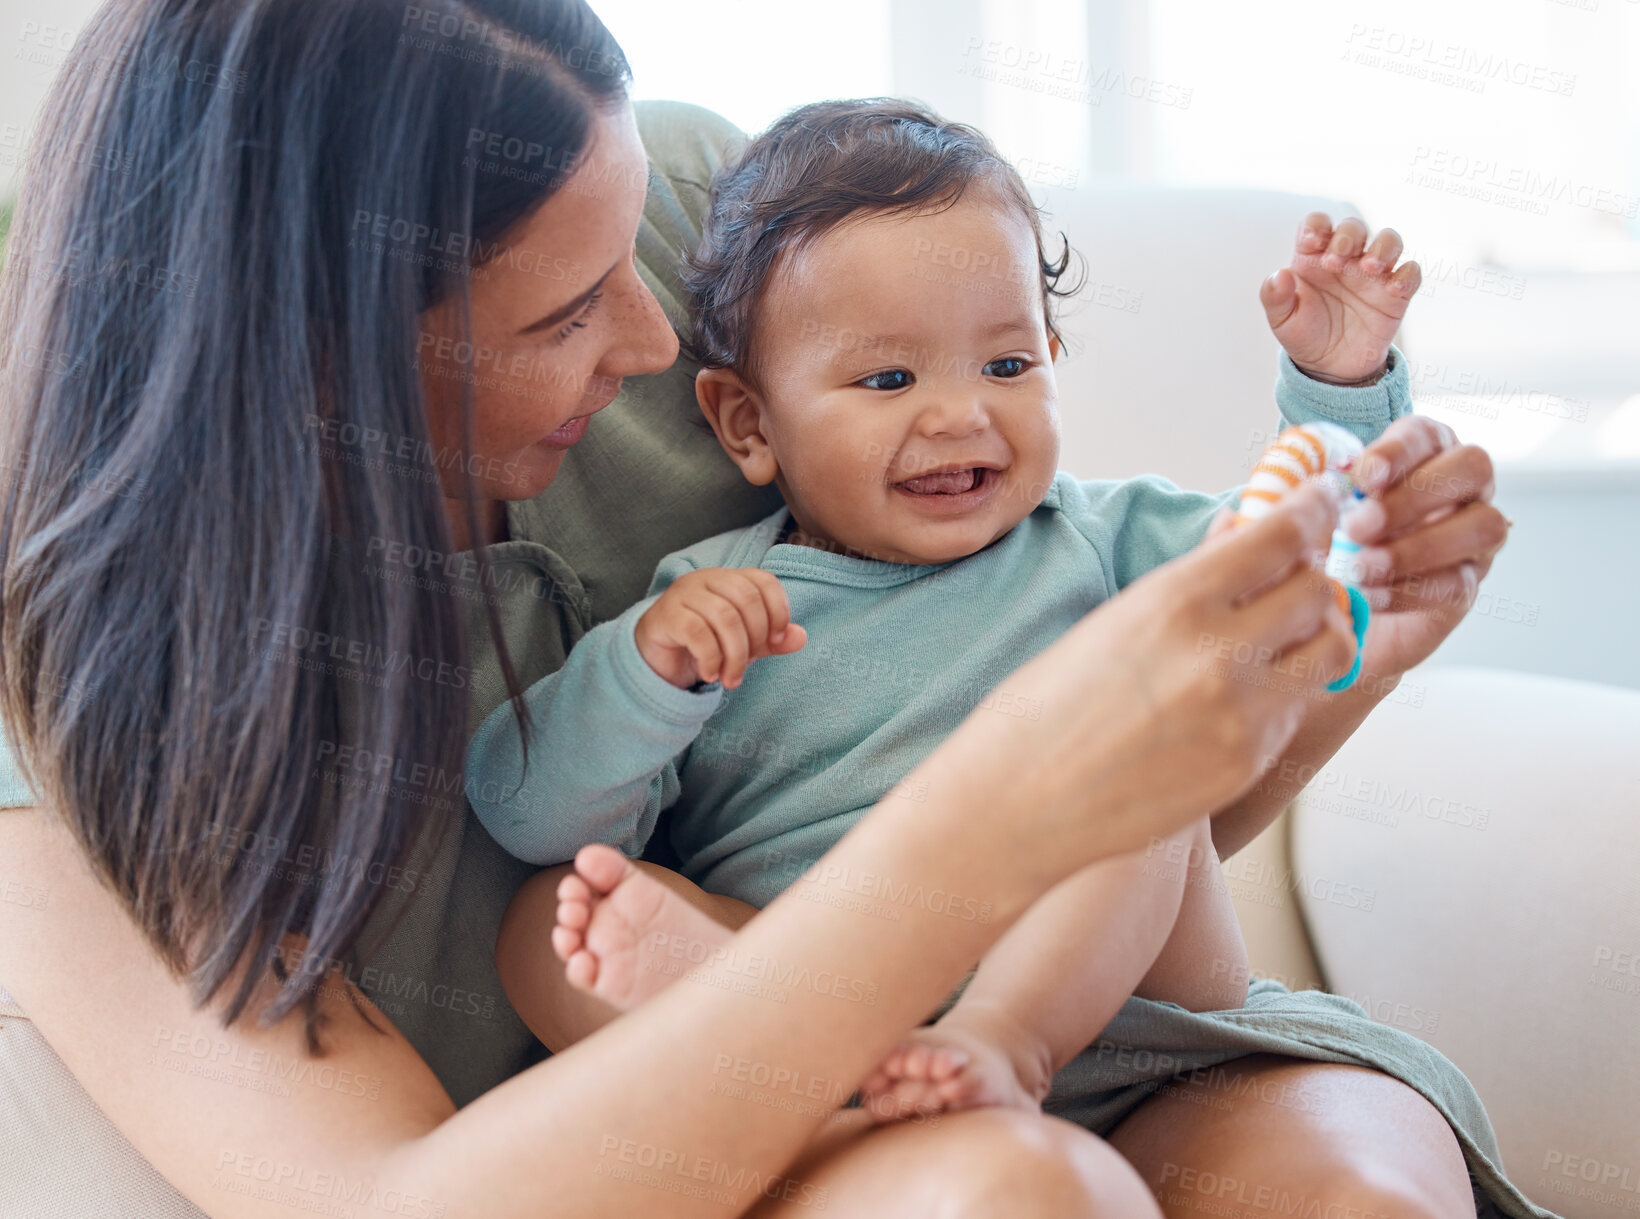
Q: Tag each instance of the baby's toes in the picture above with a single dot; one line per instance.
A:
(915, 1062)
(877, 1082)
(602, 867)
(567, 941)
(581, 971)
(573, 888)
(906, 1098)
(946, 1064)
(894, 1065)
(958, 1091)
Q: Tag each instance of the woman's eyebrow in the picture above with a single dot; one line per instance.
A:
(569, 310)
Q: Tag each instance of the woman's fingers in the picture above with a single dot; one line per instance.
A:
(1473, 533)
(1286, 615)
(1322, 658)
(1405, 445)
(1245, 560)
(1442, 596)
(1449, 481)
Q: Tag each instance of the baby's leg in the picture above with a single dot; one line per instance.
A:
(1203, 966)
(614, 926)
(1043, 992)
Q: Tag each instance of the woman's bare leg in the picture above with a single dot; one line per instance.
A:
(1268, 1135)
(533, 976)
(977, 1164)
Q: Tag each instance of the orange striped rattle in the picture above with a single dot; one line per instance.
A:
(1325, 452)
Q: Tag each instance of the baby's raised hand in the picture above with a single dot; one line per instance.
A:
(711, 623)
(1336, 309)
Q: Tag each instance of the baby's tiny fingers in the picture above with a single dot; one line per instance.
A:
(730, 629)
(1406, 281)
(702, 642)
(1383, 250)
(1314, 233)
(1348, 239)
(747, 599)
(1279, 296)
(775, 603)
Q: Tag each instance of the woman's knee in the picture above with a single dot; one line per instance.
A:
(1015, 1164)
(1280, 1137)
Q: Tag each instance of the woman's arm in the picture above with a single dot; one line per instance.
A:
(807, 988)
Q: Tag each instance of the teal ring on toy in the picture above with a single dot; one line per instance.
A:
(1360, 615)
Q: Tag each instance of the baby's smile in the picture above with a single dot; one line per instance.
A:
(915, 446)
(948, 490)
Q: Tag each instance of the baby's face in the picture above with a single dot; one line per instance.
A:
(908, 390)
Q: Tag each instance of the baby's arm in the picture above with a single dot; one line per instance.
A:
(1155, 922)
(602, 765)
(608, 727)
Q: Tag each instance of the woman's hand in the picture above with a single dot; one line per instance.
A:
(1431, 533)
(1163, 703)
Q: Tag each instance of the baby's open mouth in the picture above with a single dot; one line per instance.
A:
(947, 482)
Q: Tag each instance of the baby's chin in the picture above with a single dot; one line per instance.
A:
(931, 546)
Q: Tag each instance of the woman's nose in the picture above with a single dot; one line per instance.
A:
(644, 339)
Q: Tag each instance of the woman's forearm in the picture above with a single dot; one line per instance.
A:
(812, 993)
(1326, 727)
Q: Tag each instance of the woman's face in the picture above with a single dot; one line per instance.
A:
(559, 316)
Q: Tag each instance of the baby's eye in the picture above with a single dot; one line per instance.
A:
(894, 378)
(1007, 366)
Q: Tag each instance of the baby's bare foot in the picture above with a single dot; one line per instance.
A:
(938, 1070)
(622, 935)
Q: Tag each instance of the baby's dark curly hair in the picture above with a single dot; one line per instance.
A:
(818, 166)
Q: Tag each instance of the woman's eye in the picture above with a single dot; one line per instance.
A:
(580, 320)
(894, 378)
(1007, 366)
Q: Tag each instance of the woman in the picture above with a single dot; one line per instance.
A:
(243, 643)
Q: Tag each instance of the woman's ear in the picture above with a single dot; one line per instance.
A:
(737, 414)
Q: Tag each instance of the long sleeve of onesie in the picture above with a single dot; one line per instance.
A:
(1137, 524)
(606, 742)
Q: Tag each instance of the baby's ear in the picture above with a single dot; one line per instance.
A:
(736, 412)
(1053, 348)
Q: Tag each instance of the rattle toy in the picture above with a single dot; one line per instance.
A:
(1324, 452)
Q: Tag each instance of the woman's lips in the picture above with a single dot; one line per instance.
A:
(569, 433)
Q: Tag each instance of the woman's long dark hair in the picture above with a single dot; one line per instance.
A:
(233, 214)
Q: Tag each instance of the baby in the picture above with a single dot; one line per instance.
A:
(873, 312)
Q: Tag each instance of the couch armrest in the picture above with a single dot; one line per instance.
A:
(1467, 868)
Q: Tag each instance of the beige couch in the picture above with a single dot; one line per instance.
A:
(1468, 867)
